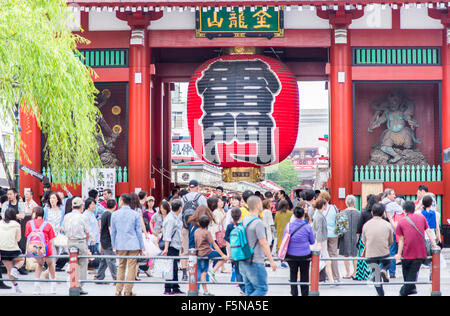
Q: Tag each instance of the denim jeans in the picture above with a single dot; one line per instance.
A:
(376, 264)
(255, 278)
(238, 275)
(392, 252)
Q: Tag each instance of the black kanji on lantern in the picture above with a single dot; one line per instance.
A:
(238, 97)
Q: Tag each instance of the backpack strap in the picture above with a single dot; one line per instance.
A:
(43, 226)
(197, 197)
(256, 243)
(256, 217)
(33, 227)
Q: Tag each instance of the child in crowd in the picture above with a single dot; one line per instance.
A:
(203, 242)
(236, 217)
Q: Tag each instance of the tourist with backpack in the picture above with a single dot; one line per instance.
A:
(10, 234)
(236, 217)
(41, 230)
(249, 246)
(190, 202)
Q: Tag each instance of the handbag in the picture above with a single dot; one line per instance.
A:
(220, 238)
(150, 248)
(285, 242)
(427, 243)
(60, 240)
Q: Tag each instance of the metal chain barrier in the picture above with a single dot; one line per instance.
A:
(193, 282)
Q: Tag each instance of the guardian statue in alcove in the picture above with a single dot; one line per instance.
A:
(398, 139)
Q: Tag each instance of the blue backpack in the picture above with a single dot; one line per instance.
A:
(240, 249)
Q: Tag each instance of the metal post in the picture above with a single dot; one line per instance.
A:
(74, 289)
(436, 272)
(16, 161)
(314, 278)
(192, 270)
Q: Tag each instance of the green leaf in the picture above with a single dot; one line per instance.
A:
(39, 65)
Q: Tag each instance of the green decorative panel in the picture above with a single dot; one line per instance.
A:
(396, 56)
(398, 173)
(105, 58)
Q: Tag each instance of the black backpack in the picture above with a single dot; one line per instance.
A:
(188, 209)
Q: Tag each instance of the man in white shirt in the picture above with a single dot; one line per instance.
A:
(76, 229)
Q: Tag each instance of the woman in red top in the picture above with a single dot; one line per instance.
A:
(38, 219)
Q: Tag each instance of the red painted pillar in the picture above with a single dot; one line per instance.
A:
(445, 112)
(31, 139)
(314, 273)
(167, 140)
(157, 139)
(139, 111)
(341, 115)
(436, 272)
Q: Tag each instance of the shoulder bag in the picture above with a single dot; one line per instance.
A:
(427, 244)
(285, 242)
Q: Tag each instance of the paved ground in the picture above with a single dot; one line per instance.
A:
(357, 288)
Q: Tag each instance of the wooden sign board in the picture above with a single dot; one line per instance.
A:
(214, 22)
(241, 174)
(370, 187)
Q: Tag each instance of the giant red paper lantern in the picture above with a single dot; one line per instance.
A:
(243, 111)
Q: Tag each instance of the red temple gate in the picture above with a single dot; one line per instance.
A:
(330, 50)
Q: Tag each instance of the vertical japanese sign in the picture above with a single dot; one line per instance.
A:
(240, 22)
(182, 151)
(99, 179)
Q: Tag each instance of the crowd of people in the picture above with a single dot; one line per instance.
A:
(388, 227)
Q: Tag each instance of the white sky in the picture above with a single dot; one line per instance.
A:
(313, 95)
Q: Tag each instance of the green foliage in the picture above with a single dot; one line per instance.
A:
(283, 174)
(39, 65)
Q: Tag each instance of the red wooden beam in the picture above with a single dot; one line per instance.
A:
(405, 188)
(105, 39)
(397, 73)
(187, 38)
(396, 37)
(112, 74)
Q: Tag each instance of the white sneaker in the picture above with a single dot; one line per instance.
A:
(15, 273)
(212, 276)
(52, 288)
(37, 289)
(16, 289)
